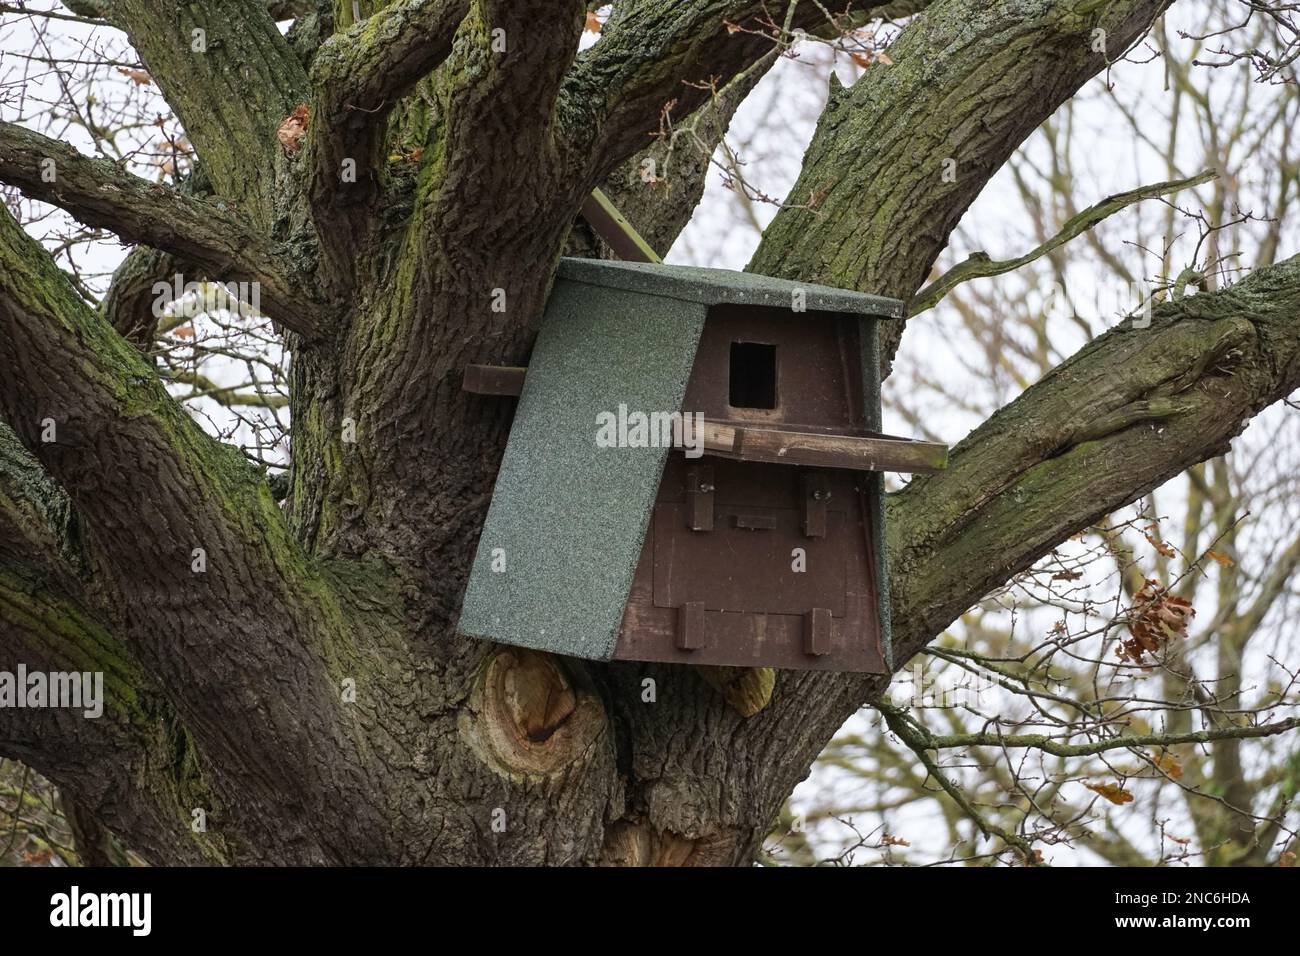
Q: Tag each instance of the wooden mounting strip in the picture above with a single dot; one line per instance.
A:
(816, 493)
(699, 498)
(612, 226)
(827, 451)
(494, 379)
(754, 522)
(690, 626)
(817, 632)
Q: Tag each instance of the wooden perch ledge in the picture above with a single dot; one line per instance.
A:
(875, 453)
(778, 446)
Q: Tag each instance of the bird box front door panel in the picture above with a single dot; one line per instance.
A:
(772, 568)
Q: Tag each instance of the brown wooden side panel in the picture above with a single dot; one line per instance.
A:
(776, 629)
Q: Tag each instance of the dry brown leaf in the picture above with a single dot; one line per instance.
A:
(1170, 766)
(293, 129)
(1223, 560)
(1286, 859)
(890, 840)
(1164, 547)
(867, 58)
(1112, 792)
(1155, 617)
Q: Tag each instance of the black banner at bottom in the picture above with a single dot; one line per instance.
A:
(340, 904)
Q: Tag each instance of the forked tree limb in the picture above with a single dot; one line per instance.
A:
(232, 78)
(899, 157)
(185, 545)
(646, 61)
(206, 232)
(357, 78)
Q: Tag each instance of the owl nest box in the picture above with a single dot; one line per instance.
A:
(758, 539)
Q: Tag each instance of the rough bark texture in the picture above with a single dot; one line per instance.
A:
(231, 686)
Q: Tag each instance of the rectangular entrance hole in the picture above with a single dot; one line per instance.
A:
(753, 375)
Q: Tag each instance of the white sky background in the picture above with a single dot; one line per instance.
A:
(774, 127)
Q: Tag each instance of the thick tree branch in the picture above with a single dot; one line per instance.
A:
(133, 767)
(123, 765)
(496, 149)
(899, 157)
(1042, 468)
(232, 78)
(357, 78)
(648, 57)
(187, 548)
(203, 232)
(82, 401)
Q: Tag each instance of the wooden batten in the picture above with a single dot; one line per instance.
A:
(699, 498)
(816, 496)
(494, 379)
(778, 446)
(690, 626)
(817, 632)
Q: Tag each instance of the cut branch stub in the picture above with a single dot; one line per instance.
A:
(527, 717)
(747, 689)
(640, 843)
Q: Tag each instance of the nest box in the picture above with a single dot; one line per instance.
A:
(757, 539)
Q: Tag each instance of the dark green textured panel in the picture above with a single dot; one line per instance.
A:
(717, 286)
(570, 517)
